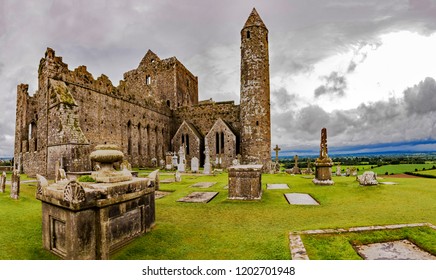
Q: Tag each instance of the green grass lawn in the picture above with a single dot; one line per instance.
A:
(224, 229)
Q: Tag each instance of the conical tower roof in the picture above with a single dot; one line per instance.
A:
(254, 20)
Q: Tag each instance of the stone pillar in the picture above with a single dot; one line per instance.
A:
(207, 166)
(323, 164)
(15, 187)
(245, 182)
(3, 182)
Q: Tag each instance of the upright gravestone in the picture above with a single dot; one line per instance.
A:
(15, 187)
(181, 165)
(174, 161)
(323, 164)
(168, 161)
(177, 176)
(207, 166)
(3, 182)
(195, 164)
(338, 170)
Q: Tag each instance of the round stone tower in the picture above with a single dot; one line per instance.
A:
(255, 93)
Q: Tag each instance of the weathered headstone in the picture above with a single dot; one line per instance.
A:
(3, 182)
(62, 174)
(207, 166)
(323, 164)
(347, 172)
(154, 179)
(174, 161)
(177, 176)
(168, 161)
(15, 187)
(338, 170)
(154, 162)
(308, 170)
(195, 164)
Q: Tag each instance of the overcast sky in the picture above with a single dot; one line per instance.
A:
(364, 69)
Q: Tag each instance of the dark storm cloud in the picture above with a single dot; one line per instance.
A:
(410, 118)
(112, 36)
(421, 98)
(335, 84)
(282, 99)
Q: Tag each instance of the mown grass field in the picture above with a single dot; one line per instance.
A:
(224, 229)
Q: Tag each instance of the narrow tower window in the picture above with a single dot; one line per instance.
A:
(148, 79)
(248, 34)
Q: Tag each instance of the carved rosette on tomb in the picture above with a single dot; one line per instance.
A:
(323, 164)
(90, 220)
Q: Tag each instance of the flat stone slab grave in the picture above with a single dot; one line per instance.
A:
(388, 183)
(277, 186)
(394, 250)
(203, 185)
(199, 197)
(166, 181)
(300, 199)
(160, 194)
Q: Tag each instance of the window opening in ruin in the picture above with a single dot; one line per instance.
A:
(147, 79)
(257, 123)
(222, 142)
(217, 145)
(156, 147)
(139, 139)
(168, 103)
(187, 144)
(248, 34)
(148, 140)
(33, 135)
(129, 138)
(187, 83)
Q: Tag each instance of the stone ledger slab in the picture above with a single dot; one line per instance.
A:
(300, 199)
(277, 186)
(394, 250)
(203, 185)
(198, 197)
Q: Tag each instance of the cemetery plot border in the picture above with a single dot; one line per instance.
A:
(298, 251)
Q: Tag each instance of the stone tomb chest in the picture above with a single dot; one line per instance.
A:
(245, 182)
(92, 220)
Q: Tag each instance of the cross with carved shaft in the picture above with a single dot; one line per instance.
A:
(296, 160)
(277, 149)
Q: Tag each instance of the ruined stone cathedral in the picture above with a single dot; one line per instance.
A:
(154, 110)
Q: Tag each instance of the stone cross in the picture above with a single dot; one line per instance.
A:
(296, 160)
(3, 182)
(323, 152)
(277, 149)
(15, 187)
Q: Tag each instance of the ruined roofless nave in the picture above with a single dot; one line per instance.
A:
(154, 110)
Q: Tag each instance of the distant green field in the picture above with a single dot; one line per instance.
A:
(240, 230)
